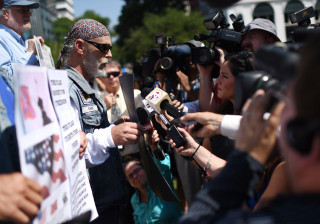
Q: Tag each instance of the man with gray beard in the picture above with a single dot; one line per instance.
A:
(86, 51)
(14, 22)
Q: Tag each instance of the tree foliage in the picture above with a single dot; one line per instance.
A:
(60, 28)
(172, 22)
(133, 12)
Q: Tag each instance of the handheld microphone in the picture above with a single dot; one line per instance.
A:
(172, 130)
(162, 101)
(147, 126)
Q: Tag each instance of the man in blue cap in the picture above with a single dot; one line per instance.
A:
(14, 21)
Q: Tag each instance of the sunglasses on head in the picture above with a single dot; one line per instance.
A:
(114, 74)
(104, 48)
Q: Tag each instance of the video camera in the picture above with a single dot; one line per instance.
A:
(172, 57)
(229, 40)
(278, 65)
(305, 28)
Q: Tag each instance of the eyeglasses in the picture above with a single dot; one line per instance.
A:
(135, 172)
(104, 48)
(114, 74)
(23, 10)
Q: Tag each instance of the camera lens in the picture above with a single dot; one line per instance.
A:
(166, 63)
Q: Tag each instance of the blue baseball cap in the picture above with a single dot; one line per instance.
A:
(31, 4)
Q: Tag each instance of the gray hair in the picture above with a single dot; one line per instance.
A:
(65, 53)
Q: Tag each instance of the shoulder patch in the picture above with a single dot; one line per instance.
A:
(85, 98)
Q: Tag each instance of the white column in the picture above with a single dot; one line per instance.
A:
(278, 8)
(308, 3)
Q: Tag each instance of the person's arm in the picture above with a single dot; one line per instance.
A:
(206, 87)
(185, 84)
(191, 107)
(102, 139)
(213, 124)
(8, 52)
(235, 183)
(227, 191)
(210, 122)
(97, 143)
(230, 125)
(208, 161)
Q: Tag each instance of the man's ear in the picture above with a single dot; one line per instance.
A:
(5, 13)
(271, 40)
(79, 45)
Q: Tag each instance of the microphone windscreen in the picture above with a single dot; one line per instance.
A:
(148, 82)
(144, 119)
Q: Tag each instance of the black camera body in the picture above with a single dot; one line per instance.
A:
(229, 40)
(172, 57)
(302, 17)
(277, 65)
(305, 29)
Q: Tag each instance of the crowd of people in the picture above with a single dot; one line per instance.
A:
(256, 165)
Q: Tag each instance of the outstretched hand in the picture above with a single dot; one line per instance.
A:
(190, 146)
(126, 133)
(211, 123)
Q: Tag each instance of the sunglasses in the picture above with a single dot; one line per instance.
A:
(104, 48)
(114, 74)
(23, 10)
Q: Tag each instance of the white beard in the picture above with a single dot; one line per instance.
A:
(18, 28)
(93, 67)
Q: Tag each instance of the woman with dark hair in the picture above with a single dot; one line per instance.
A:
(230, 68)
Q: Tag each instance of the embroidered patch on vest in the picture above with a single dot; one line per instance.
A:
(87, 109)
(85, 98)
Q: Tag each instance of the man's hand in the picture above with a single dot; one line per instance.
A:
(176, 103)
(222, 54)
(32, 45)
(257, 134)
(211, 124)
(126, 133)
(83, 143)
(20, 198)
(184, 81)
(110, 100)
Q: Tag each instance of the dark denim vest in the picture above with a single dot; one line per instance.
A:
(107, 180)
